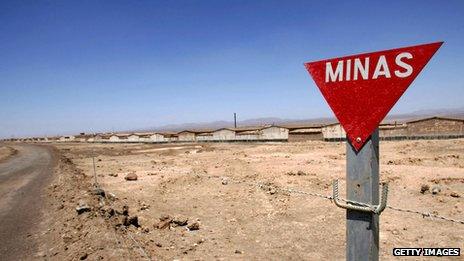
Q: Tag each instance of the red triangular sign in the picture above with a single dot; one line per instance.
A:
(361, 89)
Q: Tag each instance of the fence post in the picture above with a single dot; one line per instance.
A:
(362, 185)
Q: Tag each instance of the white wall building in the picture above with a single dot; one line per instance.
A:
(224, 134)
(274, 133)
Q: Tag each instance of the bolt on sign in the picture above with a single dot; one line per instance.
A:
(361, 89)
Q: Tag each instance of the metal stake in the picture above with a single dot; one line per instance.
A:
(362, 185)
(94, 170)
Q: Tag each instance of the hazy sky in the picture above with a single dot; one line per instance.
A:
(71, 66)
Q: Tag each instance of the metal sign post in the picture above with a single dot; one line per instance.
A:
(362, 185)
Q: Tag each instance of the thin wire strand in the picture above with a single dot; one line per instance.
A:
(296, 191)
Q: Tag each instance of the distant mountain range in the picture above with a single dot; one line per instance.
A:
(452, 113)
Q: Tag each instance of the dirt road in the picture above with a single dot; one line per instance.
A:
(22, 180)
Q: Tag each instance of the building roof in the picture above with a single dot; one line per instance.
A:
(196, 131)
(273, 126)
(169, 134)
(437, 118)
(230, 129)
(249, 128)
(145, 134)
(85, 136)
(122, 135)
(307, 130)
(205, 134)
(248, 132)
(303, 126)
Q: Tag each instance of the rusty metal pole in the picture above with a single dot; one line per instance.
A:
(362, 185)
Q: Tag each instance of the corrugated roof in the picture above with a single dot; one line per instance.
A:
(248, 132)
(311, 130)
(196, 131)
(303, 126)
(436, 117)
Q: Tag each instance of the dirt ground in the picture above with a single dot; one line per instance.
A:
(215, 187)
(6, 152)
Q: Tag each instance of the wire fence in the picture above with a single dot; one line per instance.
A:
(430, 215)
(398, 209)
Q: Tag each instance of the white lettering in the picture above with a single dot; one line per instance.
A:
(381, 68)
(403, 65)
(359, 68)
(329, 73)
(348, 70)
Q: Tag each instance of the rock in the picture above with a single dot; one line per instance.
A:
(436, 189)
(67, 239)
(113, 174)
(83, 256)
(238, 252)
(125, 210)
(225, 182)
(98, 192)
(424, 188)
(111, 196)
(180, 221)
(131, 177)
(134, 220)
(455, 195)
(163, 224)
(82, 207)
(107, 211)
(194, 226)
(144, 206)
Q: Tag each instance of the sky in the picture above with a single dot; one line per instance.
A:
(88, 66)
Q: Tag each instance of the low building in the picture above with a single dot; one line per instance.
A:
(157, 137)
(305, 133)
(102, 137)
(141, 137)
(247, 134)
(333, 132)
(67, 138)
(170, 137)
(393, 130)
(274, 133)
(224, 134)
(53, 139)
(186, 136)
(43, 139)
(121, 137)
(84, 137)
(435, 126)
(134, 138)
(205, 136)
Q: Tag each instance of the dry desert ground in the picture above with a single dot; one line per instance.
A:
(6, 152)
(229, 201)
